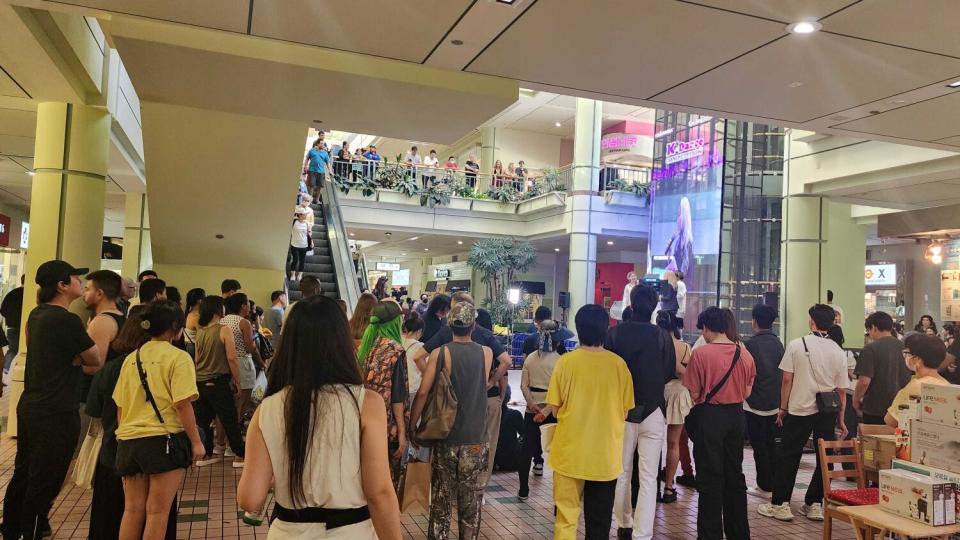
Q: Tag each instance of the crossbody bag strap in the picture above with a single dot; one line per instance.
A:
(719, 385)
(146, 388)
(813, 372)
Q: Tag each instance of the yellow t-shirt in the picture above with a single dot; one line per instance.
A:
(171, 377)
(912, 389)
(593, 392)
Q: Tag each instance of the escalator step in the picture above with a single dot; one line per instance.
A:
(318, 268)
(319, 259)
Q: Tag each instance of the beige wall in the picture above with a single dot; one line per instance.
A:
(257, 283)
(537, 150)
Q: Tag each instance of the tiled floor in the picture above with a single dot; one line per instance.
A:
(208, 507)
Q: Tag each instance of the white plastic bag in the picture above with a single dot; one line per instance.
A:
(260, 387)
(88, 456)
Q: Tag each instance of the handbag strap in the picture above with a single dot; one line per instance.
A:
(719, 385)
(813, 372)
(146, 388)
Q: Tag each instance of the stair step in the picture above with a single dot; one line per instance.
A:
(318, 268)
(319, 259)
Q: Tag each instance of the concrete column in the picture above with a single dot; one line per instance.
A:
(67, 203)
(581, 279)
(488, 155)
(137, 252)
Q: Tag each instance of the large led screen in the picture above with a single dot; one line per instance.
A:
(687, 182)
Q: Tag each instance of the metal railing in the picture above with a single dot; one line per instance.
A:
(345, 272)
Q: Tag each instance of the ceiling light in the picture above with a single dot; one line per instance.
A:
(353, 234)
(898, 102)
(456, 42)
(558, 124)
(795, 84)
(459, 242)
(804, 27)
(318, 121)
(954, 84)
(415, 238)
(388, 234)
(934, 252)
(30, 173)
(609, 242)
(557, 250)
(426, 249)
(403, 254)
(507, 2)
(219, 237)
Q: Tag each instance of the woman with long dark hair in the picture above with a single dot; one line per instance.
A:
(157, 435)
(926, 322)
(678, 401)
(436, 316)
(320, 437)
(380, 289)
(534, 380)
(194, 297)
(361, 317)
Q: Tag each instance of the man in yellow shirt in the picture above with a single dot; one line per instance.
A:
(590, 393)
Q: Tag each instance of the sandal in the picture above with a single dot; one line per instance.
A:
(669, 495)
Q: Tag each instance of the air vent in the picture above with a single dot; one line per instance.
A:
(839, 118)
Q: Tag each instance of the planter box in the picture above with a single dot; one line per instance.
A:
(395, 197)
(460, 203)
(624, 198)
(541, 202)
(494, 207)
(355, 195)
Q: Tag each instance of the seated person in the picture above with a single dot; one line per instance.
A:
(923, 354)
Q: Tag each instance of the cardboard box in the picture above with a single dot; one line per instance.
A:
(918, 497)
(936, 474)
(878, 451)
(940, 404)
(935, 445)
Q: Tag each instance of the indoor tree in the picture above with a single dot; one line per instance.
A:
(499, 260)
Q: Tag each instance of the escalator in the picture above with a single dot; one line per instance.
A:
(331, 261)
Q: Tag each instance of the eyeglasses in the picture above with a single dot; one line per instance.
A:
(906, 352)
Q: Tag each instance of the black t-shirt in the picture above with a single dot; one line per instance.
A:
(954, 375)
(648, 351)
(11, 307)
(882, 361)
(54, 338)
(431, 324)
(481, 336)
(508, 445)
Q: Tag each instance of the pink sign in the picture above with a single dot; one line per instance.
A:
(619, 142)
(684, 150)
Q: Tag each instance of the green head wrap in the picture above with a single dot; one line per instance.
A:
(385, 320)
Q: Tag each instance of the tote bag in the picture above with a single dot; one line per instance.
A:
(89, 453)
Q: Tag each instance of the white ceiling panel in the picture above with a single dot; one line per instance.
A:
(787, 11)
(802, 77)
(400, 30)
(924, 193)
(620, 47)
(928, 25)
(931, 120)
(229, 15)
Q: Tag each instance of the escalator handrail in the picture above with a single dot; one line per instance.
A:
(345, 273)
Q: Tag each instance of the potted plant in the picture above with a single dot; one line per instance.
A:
(621, 193)
(434, 195)
(499, 260)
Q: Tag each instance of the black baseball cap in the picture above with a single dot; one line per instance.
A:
(57, 271)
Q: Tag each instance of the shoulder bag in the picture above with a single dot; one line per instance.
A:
(440, 411)
(178, 444)
(827, 402)
(692, 421)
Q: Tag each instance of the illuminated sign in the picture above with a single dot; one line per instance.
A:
(387, 267)
(684, 150)
(4, 230)
(24, 234)
(442, 273)
(619, 142)
(880, 274)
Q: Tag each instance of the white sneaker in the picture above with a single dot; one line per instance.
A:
(229, 452)
(754, 490)
(209, 460)
(814, 512)
(238, 464)
(219, 450)
(781, 512)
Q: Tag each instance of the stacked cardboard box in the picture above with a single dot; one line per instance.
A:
(918, 497)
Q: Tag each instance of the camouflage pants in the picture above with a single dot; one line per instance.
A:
(457, 475)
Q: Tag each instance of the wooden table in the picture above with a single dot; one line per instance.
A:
(872, 520)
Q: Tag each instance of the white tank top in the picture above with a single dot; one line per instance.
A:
(233, 323)
(331, 476)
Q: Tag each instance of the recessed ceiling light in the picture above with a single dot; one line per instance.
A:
(388, 234)
(954, 84)
(804, 27)
(558, 124)
(353, 234)
(426, 249)
(219, 237)
(459, 242)
(556, 249)
(609, 242)
(318, 121)
(898, 102)
(31, 173)
(507, 2)
(795, 84)
(457, 42)
(403, 254)
(415, 238)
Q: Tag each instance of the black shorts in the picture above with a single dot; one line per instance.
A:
(149, 455)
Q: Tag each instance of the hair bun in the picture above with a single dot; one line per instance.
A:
(145, 324)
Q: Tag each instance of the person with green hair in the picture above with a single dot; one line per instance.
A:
(383, 364)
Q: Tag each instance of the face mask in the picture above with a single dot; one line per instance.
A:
(906, 360)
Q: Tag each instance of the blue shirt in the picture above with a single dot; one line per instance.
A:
(318, 160)
(371, 156)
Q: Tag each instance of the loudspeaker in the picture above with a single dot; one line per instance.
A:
(564, 300)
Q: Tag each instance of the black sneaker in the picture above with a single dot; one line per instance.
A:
(624, 534)
(523, 494)
(687, 480)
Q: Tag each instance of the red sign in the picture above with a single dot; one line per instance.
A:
(4, 231)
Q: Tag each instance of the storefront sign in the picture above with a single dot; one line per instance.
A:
(442, 273)
(619, 142)
(388, 267)
(880, 274)
(24, 234)
(950, 295)
(684, 150)
(4, 231)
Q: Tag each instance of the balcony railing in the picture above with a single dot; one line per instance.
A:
(435, 186)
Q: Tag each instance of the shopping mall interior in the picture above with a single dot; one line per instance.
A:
(544, 156)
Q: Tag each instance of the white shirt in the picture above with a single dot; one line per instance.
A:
(681, 298)
(412, 158)
(414, 377)
(430, 161)
(298, 234)
(308, 213)
(839, 311)
(823, 369)
(626, 294)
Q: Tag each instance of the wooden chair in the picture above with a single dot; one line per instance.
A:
(833, 498)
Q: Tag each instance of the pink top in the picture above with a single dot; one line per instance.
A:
(450, 166)
(708, 365)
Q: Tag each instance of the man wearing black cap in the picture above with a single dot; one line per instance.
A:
(58, 348)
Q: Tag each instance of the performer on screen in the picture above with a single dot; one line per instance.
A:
(680, 246)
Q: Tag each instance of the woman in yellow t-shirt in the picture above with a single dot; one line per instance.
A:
(157, 436)
(923, 355)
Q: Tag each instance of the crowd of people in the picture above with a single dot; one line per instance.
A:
(324, 160)
(348, 403)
